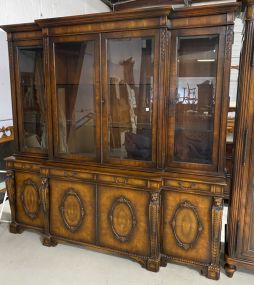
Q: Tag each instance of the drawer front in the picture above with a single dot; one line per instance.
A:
(123, 220)
(28, 200)
(72, 210)
(187, 226)
(187, 185)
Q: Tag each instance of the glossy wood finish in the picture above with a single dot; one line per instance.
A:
(240, 229)
(140, 204)
(28, 200)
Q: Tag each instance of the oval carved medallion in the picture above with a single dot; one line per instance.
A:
(30, 198)
(122, 219)
(72, 210)
(186, 225)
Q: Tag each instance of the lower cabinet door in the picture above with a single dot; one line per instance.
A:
(123, 220)
(187, 227)
(28, 201)
(72, 210)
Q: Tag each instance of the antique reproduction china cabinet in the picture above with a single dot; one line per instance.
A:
(240, 229)
(120, 125)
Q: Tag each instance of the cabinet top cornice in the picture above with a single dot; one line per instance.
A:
(165, 12)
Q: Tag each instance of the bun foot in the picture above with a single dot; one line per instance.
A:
(230, 270)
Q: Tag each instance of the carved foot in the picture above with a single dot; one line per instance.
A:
(153, 265)
(48, 241)
(229, 270)
(213, 272)
(15, 228)
(163, 262)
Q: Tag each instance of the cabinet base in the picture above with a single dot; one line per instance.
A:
(153, 265)
(49, 241)
(210, 271)
(15, 228)
(213, 272)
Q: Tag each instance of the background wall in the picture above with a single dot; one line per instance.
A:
(16, 11)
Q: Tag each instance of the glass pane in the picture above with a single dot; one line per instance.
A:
(195, 100)
(75, 80)
(130, 86)
(33, 101)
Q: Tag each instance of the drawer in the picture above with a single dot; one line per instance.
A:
(123, 220)
(72, 210)
(187, 226)
(28, 201)
(188, 185)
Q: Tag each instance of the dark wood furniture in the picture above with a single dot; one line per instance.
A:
(240, 228)
(110, 154)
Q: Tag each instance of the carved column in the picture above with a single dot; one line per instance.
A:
(47, 239)
(153, 263)
(213, 270)
(10, 186)
(242, 130)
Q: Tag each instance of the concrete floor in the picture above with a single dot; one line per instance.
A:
(24, 261)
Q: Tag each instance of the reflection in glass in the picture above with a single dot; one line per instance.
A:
(195, 102)
(32, 95)
(130, 87)
(75, 79)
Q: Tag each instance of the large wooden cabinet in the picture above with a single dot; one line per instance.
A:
(120, 123)
(240, 229)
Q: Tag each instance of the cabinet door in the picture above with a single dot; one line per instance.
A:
(123, 220)
(30, 96)
(72, 210)
(28, 199)
(196, 86)
(130, 79)
(75, 86)
(187, 227)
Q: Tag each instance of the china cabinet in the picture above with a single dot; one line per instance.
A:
(240, 229)
(120, 125)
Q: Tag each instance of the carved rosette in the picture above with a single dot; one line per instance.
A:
(122, 219)
(72, 210)
(10, 186)
(30, 197)
(186, 225)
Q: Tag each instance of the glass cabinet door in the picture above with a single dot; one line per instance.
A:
(32, 101)
(75, 91)
(196, 99)
(130, 92)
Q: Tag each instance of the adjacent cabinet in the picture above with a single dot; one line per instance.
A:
(240, 230)
(120, 123)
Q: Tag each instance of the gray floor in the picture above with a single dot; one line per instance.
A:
(24, 261)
